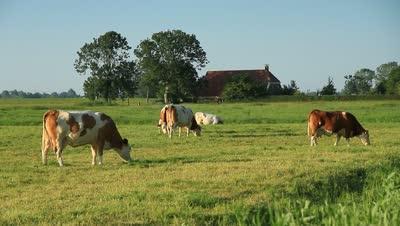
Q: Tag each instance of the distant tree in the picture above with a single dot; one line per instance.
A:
(328, 89)
(382, 74)
(393, 82)
(359, 83)
(364, 78)
(168, 62)
(36, 95)
(105, 59)
(71, 93)
(350, 86)
(14, 93)
(5, 94)
(21, 94)
(290, 89)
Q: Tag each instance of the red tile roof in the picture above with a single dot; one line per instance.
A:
(216, 79)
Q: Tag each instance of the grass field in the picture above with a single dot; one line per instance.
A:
(257, 168)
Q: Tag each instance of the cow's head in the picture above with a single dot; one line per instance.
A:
(195, 128)
(125, 151)
(196, 131)
(365, 137)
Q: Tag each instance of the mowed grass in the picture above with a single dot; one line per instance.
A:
(256, 168)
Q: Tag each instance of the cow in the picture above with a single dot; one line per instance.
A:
(207, 119)
(339, 123)
(162, 122)
(174, 116)
(76, 128)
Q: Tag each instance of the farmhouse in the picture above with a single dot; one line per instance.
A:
(216, 80)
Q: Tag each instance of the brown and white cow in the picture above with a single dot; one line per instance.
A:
(76, 128)
(177, 116)
(339, 123)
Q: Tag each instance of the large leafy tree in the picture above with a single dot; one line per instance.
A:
(382, 74)
(329, 89)
(393, 81)
(359, 83)
(107, 60)
(168, 62)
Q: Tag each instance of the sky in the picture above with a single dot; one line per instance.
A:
(305, 41)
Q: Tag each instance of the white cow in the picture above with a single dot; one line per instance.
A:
(207, 119)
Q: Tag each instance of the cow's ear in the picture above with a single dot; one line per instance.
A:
(125, 141)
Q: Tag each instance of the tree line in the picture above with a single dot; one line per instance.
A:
(21, 94)
(385, 80)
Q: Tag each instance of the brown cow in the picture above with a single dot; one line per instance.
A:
(338, 122)
(76, 128)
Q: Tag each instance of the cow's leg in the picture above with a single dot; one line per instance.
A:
(100, 149)
(61, 143)
(313, 140)
(337, 139)
(180, 130)
(187, 131)
(170, 130)
(94, 154)
(45, 151)
(348, 141)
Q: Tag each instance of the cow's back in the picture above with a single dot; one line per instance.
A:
(184, 115)
(81, 127)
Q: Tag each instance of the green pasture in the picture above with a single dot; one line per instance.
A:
(256, 169)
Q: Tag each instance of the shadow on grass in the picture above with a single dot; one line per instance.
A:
(332, 186)
(182, 160)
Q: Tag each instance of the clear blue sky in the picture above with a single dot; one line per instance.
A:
(305, 41)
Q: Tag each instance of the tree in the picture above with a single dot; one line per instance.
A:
(108, 62)
(71, 93)
(350, 86)
(364, 80)
(168, 62)
(393, 82)
(329, 89)
(359, 83)
(243, 87)
(5, 94)
(290, 89)
(382, 74)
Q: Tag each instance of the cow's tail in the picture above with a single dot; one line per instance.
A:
(163, 114)
(309, 132)
(174, 116)
(45, 135)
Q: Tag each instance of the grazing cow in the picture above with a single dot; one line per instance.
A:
(207, 119)
(162, 123)
(338, 122)
(76, 128)
(173, 116)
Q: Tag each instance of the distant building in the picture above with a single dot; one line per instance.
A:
(216, 80)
